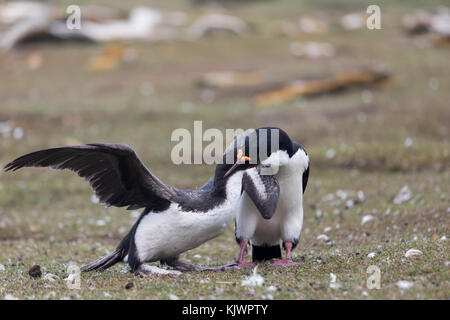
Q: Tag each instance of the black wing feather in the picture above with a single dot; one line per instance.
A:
(305, 176)
(265, 200)
(114, 171)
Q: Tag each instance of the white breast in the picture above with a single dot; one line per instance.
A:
(169, 233)
(286, 224)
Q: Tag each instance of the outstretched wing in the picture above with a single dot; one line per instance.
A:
(264, 191)
(114, 171)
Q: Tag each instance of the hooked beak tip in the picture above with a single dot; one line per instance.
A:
(229, 172)
(240, 159)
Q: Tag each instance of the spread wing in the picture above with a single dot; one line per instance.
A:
(114, 171)
(264, 191)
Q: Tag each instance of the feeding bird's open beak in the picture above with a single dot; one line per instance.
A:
(240, 160)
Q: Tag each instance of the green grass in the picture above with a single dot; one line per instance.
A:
(47, 217)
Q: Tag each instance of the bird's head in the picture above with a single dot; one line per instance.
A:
(269, 147)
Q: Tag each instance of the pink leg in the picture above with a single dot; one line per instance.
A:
(239, 263)
(288, 261)
(240, 259)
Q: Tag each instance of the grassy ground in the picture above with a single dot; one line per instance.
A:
(47, 218)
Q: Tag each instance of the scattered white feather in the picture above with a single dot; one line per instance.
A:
(50, 277)
(412, 253)
(10, 297)
(333, 283)
(361, 195)
(107, 294)
(403, 284)
(156, 270)
(333, 277)
(349, 204)
(341, 194)
(2, 267)
(271, 288)
(100, 222)
(366, 219)
(371, 255)
(267, 297)
(443, 238)
(327, 229)
(323, 237)
(254, 280)
(403, 195)
(173, 297)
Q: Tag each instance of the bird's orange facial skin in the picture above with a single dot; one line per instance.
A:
(241, 157)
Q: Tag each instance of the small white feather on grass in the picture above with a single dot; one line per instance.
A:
(323, 237)
(50, 277)
(403, 195)
(254, 280)
(403, 284)
(366, 219)
(333, 283)
(413, 253)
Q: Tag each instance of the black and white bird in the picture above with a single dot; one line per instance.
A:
(290, 165)
(173, 221)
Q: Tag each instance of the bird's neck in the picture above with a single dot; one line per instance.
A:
(229, 187)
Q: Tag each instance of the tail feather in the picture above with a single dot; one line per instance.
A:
(265, 252)
(104, 262)
(111, 259)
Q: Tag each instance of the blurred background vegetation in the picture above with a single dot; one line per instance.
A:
(365, 143)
